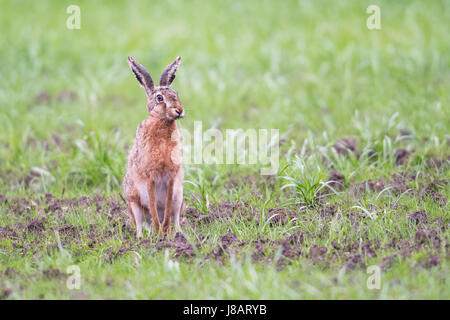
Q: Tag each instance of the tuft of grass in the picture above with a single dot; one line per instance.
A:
(306, 182)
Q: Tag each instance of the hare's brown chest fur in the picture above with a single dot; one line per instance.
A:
(157, 149)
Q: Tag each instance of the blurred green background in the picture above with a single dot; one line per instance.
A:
(296, 66)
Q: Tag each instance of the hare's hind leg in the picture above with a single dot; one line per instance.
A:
(152, 206)
(130, 212)
(177, 215)
(178, 203)
(147, 220)
(168, 209)
(134, 206)
(137, 213)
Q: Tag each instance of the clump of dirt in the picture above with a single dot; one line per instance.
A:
(69, 231)
(280, 216)
(297, 238)
(114, 207)
(197, 217)
(35, 226)
(388, 261)
(192, 213)
(290, 251)
(335, 245)
(19, 205)
(336, 180)
(419, 216)
(228, 238)
(399, 181)
(374, 185)
(5, 293)
(291, 248)
(367, 250)
(393, 243)
(317, 252)
(259, 252)
(182, 246)
(422, 236)
(8, 233)
(354, 253)
(354, 260)
(59, 206)
(432, 261)
(51, 272)
(110, 254)
(327, 212)
(440, 223)
(439, 164)
(398, 184)
(346, 146)
(401, 156)
(228, 244)
(432, 191)
(425, 237)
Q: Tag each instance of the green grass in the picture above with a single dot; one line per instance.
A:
(311, 69)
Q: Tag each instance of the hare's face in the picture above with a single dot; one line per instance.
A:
(166, 103)
(162, 101)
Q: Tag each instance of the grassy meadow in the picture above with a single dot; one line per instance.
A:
(363, 175)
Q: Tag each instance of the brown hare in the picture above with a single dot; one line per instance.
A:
(153, 184)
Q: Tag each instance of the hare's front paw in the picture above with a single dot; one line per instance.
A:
(156, 226)
(167, 228)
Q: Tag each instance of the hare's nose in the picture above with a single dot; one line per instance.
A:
(180, 113)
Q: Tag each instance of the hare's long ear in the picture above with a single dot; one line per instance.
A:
(142, 76)
(168, 74)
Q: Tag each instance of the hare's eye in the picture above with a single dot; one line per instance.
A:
(159, 98)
